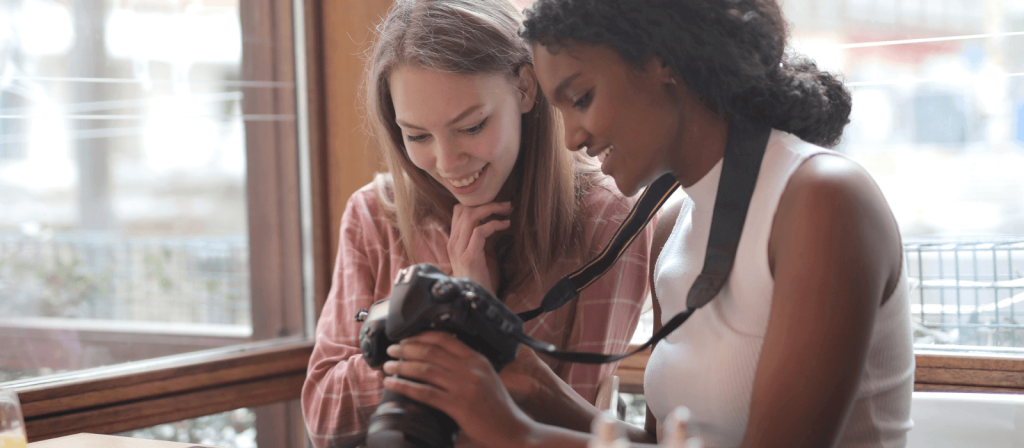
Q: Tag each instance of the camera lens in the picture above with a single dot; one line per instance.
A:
(400, 422)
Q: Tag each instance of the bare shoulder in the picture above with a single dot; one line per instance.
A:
(832, 187)
(834, 209)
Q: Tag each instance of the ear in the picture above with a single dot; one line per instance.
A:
(655, 66)
(527, 86)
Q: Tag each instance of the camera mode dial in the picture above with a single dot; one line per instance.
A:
(444, 290)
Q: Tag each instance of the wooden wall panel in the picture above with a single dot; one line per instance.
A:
(347, 34)
(272, 185)
(316, 102)
(272, 182)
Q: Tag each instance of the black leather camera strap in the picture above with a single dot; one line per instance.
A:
(740, 166)
(643, 211)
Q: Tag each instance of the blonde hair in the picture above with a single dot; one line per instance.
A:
(476, 37)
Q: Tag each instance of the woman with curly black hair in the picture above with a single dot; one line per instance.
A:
(808, 344)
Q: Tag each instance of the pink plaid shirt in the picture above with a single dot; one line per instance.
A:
(341, 391)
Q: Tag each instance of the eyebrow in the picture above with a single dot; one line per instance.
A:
(457, 119)
(560, 90)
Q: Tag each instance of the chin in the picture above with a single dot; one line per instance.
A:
(470, 202)
(475, 200)
(627, 188)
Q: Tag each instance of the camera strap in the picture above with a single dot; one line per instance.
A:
(741, 164)
(643, 211)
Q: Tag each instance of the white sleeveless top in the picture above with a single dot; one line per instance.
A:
(708, 364)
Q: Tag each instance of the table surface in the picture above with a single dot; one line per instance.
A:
(102, 441)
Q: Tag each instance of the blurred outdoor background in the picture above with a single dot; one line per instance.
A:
(123, 210)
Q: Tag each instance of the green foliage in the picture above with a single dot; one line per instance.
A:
(156, 269)
(232, 429)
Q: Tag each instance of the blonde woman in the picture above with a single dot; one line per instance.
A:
(480, 185)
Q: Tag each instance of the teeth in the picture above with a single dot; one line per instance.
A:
(465, 182)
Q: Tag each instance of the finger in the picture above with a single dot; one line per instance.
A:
(442, 341)
(426, 372)
(470, 218)
(423, 393)
(457, 212)
(478, 213)
(461, 231)
(474, 217)
(527, 353)
(453, 234)
(480, 234)
(426, 352)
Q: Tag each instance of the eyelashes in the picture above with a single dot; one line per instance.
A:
(584, 101)
(476, 129)
(470, 131)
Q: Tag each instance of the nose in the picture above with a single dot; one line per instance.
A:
(449, 157)
(575, 136)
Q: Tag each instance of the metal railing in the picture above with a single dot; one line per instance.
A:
(192, 280)
(967, 292)
(963, 291)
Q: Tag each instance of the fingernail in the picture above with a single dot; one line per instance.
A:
(395, 350)
(390, 366)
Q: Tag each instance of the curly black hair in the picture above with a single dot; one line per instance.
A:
(730, 52)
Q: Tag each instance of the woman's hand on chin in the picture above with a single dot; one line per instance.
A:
(467, 242)
(461, 383)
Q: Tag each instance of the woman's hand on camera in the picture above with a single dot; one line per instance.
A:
(544, 396)
(467, 244)
(461, 383)
(526, 377)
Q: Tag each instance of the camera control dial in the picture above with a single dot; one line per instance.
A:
(444, 290)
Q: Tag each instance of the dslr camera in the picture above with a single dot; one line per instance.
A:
(425, 298)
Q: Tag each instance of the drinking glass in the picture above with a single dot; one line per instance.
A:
(12, 426)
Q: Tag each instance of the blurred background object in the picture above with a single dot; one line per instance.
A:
(142, 146)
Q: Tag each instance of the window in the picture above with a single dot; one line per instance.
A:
(154, 209)
(126, 233)
(231, 429)
(936, 119)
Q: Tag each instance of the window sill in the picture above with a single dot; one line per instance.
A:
(935, 371)
(144, 393)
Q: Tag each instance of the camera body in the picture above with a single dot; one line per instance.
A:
(424, 298)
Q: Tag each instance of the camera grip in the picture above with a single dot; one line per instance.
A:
(374, 343)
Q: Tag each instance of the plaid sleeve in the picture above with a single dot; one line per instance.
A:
(341, 390)
(608, 311)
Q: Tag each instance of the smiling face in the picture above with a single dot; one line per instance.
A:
(463, 130)
(609, 103)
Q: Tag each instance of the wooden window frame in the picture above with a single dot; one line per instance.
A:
(935, 371)
(145, 393)
(266, 375)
